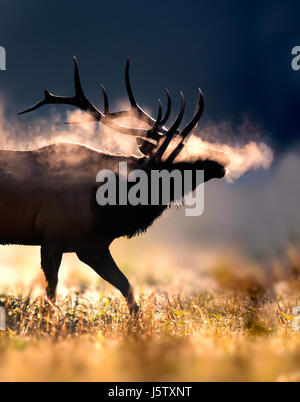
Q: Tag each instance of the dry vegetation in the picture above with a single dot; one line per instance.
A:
(241, 331)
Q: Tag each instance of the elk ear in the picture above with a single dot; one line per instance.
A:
(146, 146)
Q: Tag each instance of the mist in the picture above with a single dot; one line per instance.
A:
(259, 214)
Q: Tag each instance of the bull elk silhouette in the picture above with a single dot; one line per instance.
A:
(48, 195)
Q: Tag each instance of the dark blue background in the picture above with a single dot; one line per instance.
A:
(239, 52)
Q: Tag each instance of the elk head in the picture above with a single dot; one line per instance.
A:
(154, 143)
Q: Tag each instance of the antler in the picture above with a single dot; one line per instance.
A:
(188, 128)
(134, 107)
(147, 139)
(81, 101)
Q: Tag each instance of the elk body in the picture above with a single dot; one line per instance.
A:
(48, 195)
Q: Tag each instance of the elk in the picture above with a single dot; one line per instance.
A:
(48, 195)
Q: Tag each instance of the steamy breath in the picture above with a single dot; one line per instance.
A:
(243, 146)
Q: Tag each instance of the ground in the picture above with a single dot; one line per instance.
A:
(194, 338)
(237, 327)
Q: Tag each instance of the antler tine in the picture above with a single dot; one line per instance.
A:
(106, 106)
(193, 123)
(172, 130)
(140, 113)
(129, 89)
(154, 129)
(169, 105)
(188, 129)
(78, 88)
(146, 145)
(136, 108)
(39, 104)
(163, 130)
(106, 109)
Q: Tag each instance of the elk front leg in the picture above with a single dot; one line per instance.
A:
(103, 263)
(50, 262)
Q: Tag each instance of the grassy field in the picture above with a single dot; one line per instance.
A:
(239, 332)
(203, 318)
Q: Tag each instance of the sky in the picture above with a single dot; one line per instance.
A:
(238, 52)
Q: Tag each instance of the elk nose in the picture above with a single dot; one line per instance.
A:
(222, 171)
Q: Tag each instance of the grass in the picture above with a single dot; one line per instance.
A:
(237, 328)
(193, 338)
